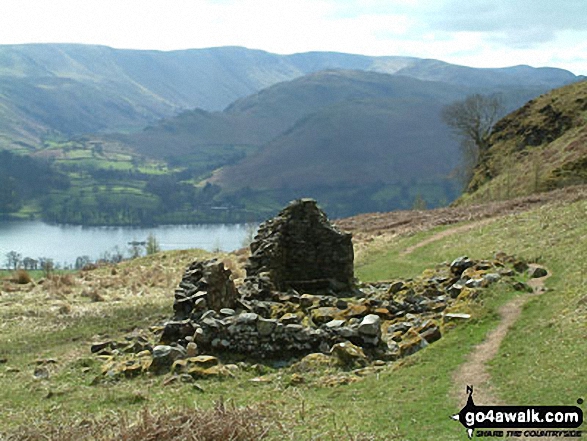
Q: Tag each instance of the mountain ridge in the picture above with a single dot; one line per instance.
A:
(83, 88)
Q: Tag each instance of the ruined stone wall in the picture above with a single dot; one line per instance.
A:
(204, 285)
(389, 320)
(301, 249)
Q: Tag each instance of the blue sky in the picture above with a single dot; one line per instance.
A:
(480, 33)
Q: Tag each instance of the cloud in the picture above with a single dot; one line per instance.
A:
(519, 20)
(475, 32)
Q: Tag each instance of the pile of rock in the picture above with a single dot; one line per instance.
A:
(210, 314)
(273, 317)
(391, 320)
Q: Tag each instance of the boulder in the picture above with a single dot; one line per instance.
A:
(412, 346)
(370, 326)
(324, 315)
(164, 356)
(460, 264)
(266, 326)
(349, 354)
(535, 272)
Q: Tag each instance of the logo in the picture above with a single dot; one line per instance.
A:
(544, 419)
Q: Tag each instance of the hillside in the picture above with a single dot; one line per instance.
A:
(361, 142)
(48, 91)
(354, 143)
(539, 147)
(383, 131)
(52, 381)
(435, 70)
(259, 118)
(357, 141)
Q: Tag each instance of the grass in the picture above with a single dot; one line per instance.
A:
(382, 261)
(540, 362)
(222, 423)
(542, 358)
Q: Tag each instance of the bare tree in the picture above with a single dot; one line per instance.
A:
(250, 232)
(47, 265)
(13, 259)
(472, 121)
(81, 262)
(136, 249)
(29, 263)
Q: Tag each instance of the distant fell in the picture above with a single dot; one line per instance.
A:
(435, 70)
(356, 140)
(49, 91)
(259, 118)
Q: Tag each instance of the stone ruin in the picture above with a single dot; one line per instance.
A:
(297, 259)
(299, 297)
(300, 249)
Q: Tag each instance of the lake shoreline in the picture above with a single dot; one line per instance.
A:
(65, 243)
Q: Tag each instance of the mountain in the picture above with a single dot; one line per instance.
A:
(356, 140)
(231, 133)
(260, 117)
(346, 128)
(524, 76)
(48, 91)
(539, 147)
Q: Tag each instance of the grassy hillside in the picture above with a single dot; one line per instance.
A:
(357, 141)
(354, 143)
(541, 362)
(122, 179)
(381, 151)
(541, 146)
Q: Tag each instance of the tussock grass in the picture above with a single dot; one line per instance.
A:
(22, 277)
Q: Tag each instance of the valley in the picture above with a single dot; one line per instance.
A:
(370, 328)
(360, 134)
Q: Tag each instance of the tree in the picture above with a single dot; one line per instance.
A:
(47, 265)
(13, 259)
(250, 232)
(117, 255)
(29, 263)
(472, 121)
(136, 249)
(81, 262)
(152, 245)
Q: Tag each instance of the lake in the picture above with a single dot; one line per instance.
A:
(64, 243)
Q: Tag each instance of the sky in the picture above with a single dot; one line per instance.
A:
(478, 33)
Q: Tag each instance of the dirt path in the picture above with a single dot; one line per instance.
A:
(474, 370)
(446, 233)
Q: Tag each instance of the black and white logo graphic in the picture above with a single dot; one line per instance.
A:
(474, 417)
